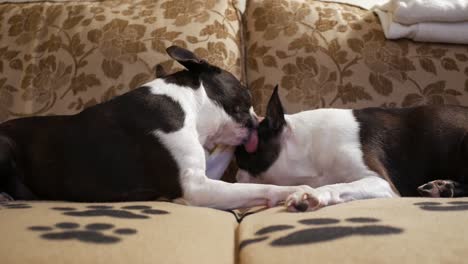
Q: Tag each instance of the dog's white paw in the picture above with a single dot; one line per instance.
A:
(304, 200)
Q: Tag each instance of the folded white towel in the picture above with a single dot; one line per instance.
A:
(429, 32)
(417, 11)
(444, 21)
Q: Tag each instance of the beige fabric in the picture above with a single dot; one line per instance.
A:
(240, 5)
(406, 230)
(335, 55)
(366, 231)
(58, 58)
(143, 232)
(367, 4)
(44, 1)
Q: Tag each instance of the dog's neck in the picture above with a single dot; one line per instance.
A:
(200, 111)
(210, 119)
(290, 139)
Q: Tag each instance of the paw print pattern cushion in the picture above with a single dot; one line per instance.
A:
(61, 57)
(143, 232)
(406, 230)
(336, 55)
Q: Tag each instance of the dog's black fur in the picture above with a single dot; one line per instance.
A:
(107, 152)
(409, 147)
(416, 145)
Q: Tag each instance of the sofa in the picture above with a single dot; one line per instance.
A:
(59, 57)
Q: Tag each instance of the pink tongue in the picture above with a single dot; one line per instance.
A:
(251, 144)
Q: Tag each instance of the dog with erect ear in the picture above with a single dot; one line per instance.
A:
(146, 144)
(357, 154)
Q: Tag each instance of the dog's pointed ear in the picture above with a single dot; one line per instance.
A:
(186, 58)
(160, 72)
(275, 113)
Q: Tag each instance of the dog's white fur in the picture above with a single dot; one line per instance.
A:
(207, 124)
(321, 148)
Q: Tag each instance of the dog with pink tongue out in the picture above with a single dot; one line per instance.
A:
(147, 144)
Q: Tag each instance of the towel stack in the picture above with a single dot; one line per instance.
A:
(425, 20)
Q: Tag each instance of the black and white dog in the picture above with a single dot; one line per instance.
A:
(146, 144)
(358, 154)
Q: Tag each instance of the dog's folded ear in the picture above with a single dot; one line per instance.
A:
(186, 58)
(275, 113)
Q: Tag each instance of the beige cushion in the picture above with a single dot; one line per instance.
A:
(368, 231)
(60, 57)
(335, 55)
(406, 230)
(143, 232)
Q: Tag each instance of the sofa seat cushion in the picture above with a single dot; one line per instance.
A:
(403, 230)
(336, 55)
(138, 232)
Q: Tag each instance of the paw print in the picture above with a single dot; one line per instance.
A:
(324, 229)
(127, 212)
(449, 206)
(99, 233)
(14, 205)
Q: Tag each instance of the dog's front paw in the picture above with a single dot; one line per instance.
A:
(303, 200)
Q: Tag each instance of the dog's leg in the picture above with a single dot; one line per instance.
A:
(366, 188)
(199, 190)
(218, 161)
(443, 188)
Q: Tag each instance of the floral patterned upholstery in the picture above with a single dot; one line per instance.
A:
(335, 55)
(60, 57)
